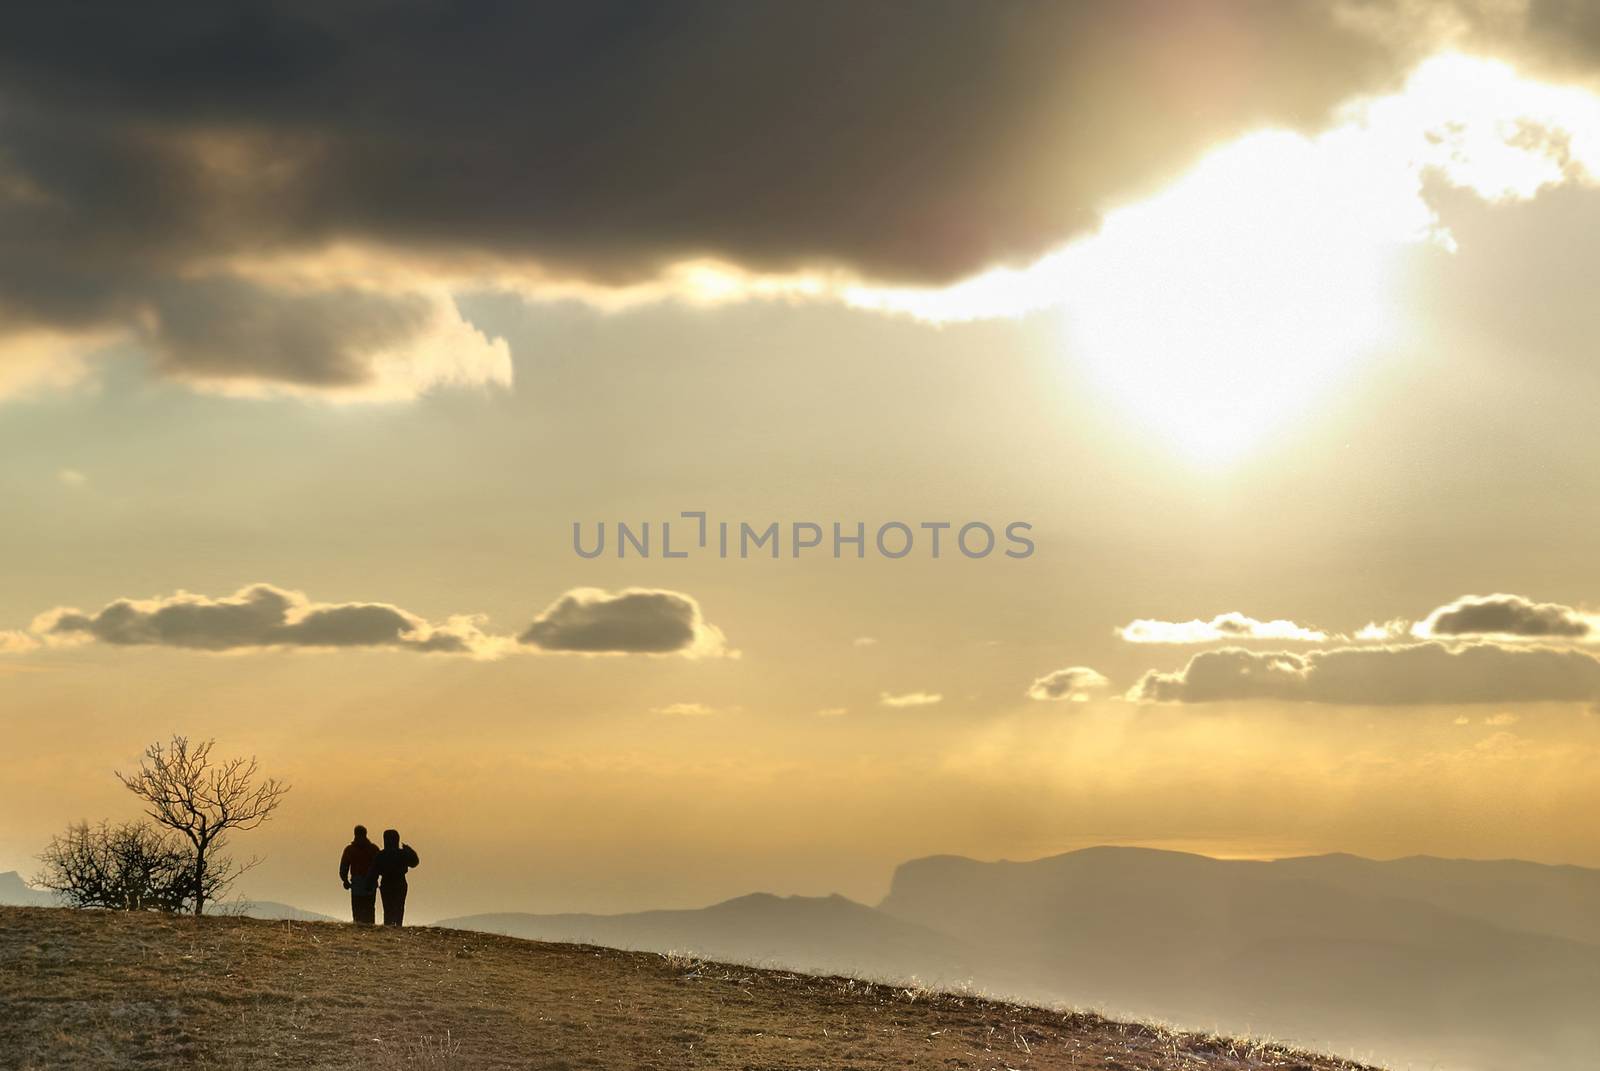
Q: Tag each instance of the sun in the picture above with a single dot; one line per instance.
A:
(1225, 307)
(1217, 311)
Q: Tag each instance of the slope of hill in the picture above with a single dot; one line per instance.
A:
(1313, 952)
(105, 990)
(830, 934)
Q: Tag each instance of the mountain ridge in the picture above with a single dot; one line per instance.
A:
(828, 933)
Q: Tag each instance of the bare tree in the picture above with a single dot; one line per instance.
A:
(129, 867)
(202, 800)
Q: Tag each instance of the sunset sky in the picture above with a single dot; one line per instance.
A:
(322, 325)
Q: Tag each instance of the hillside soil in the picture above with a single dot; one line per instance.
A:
(84, 989)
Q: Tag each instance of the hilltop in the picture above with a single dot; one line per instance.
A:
(103, 990)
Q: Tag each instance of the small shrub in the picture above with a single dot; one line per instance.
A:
(127, 867)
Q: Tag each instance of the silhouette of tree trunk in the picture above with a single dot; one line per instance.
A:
(201, 799)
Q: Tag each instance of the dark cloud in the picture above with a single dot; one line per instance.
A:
(584, 620)
(260, 616)
(1562, 36)
(225, 328)
(1557, 39)
(142, 148)
(610, 135)
(1381, 676)
(1506, 615)
(1073, 683)
(633, 621)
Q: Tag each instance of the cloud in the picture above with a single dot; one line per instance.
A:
(685, 710)
(14, 642)
(1496, 617)
(282, 162)
(1558, 38)
(1073, 684)
(1383, 631)
(289, 123)
(861, 642)
(1421, 673)
(631, 621)
(1507, 616)
(833, 712)
(910, 699)
(262, 616)
(1230, 626)
(33, 360)
(347, 343)
(71, 477)
(598, 144)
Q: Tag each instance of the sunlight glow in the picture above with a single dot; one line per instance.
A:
(1220, 309)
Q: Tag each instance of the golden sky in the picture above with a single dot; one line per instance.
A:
(1291, 373)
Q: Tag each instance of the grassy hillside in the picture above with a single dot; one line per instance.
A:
(98, 990)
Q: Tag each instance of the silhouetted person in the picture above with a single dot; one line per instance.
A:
(391, 865)
(358, 873)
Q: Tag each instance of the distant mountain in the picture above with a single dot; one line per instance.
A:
(14, 892)
(1560, 901)
(1337, 952)
(269, 909)
(826, 934)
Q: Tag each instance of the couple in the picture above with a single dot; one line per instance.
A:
(363, 864)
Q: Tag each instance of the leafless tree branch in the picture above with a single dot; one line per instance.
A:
(203, 800)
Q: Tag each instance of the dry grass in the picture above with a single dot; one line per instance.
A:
(97, 990)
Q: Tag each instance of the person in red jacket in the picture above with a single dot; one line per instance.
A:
(391, 865)
(358, 872)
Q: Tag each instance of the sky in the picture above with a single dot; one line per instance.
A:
(1270, 327)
